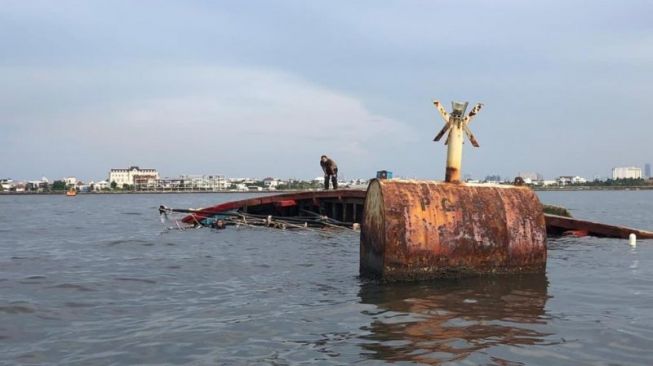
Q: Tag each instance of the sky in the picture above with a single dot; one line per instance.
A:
(263, 88)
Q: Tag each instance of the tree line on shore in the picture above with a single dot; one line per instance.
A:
(625, 182)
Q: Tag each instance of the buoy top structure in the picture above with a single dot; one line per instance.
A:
(456, 123)
(418, 230)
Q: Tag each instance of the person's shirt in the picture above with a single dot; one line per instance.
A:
(329, 166)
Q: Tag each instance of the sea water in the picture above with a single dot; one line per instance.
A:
(99, 280)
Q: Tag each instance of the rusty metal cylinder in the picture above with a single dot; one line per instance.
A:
(414, 230)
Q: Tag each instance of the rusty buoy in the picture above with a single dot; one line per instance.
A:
(427, 229)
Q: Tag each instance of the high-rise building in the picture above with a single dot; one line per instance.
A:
(647, 170)
(627, 172)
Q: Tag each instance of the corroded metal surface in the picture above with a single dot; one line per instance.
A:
(425, 229)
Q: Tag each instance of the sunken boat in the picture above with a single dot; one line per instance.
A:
(344, 208)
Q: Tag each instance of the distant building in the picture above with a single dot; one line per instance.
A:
(70, 181)
(628, 172)
(564, 179)
(532, 176)
(7, 184)
(241, 187)
(241, 180)
(493, 179)
(647, 170)
(571, 179)
(82, 187)
(101, 185)
(37, 185)
(133, 175)
(19, 187)
(212, 182)
(270, 182)
(357, 183)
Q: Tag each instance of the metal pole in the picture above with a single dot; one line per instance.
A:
(456, 124)
(454, 151)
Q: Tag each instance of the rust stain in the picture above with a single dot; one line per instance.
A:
(372, 253)
(452, 175)
(423, 229)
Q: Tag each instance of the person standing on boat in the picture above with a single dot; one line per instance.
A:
(330, 171)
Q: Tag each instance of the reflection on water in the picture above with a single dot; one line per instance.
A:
(447, 321)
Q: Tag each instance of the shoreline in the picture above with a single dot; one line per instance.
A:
(537, 189)
(599, 188)
(63, 193)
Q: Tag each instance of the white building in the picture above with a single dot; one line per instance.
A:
(530, 177)
(133, 175)
(6, 184)
(38, 185)
(70, 181)
(270, 182)
(242, 180)
(205, 182)
(241, 187)
(101, 185)
(569, 179)
(628, 172)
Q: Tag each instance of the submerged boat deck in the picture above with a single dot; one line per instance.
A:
(345, 207)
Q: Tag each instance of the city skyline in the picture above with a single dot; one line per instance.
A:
(264, 88)
(467, 176)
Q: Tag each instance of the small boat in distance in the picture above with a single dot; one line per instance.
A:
(71, 192)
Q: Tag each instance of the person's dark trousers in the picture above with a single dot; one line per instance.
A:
(334, 181)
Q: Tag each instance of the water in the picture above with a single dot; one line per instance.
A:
(97, 280)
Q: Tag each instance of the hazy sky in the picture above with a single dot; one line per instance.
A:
(263, 88)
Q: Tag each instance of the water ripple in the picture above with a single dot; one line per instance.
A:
(72, 286)
(143, 280)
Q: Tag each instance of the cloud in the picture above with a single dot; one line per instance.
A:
(350, 80)
(236, 121)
